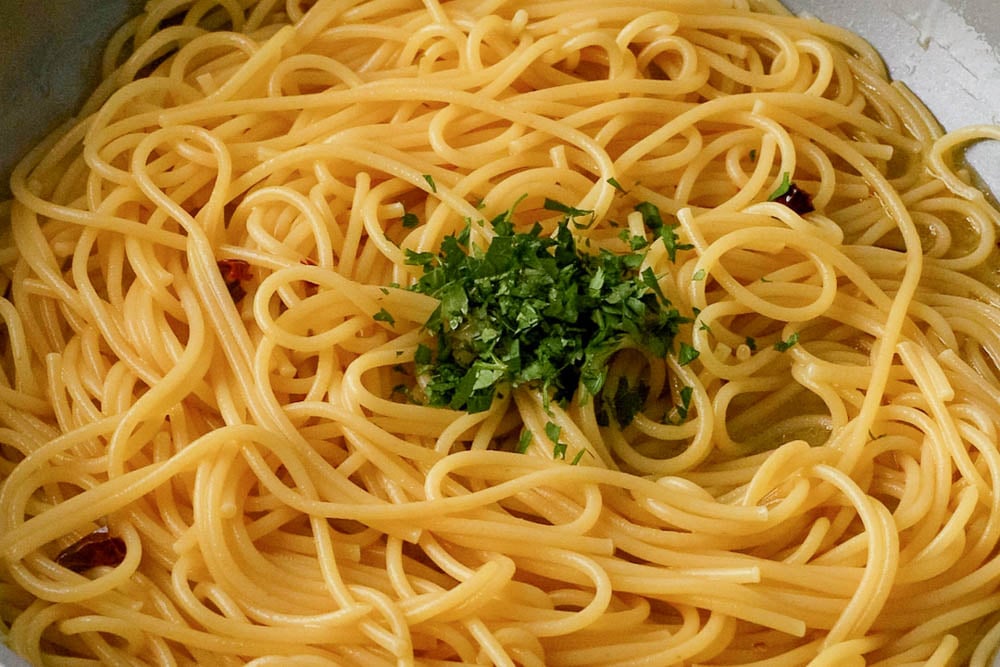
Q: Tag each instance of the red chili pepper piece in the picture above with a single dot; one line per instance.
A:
(93, 550)
(796, 199)
(234, 272)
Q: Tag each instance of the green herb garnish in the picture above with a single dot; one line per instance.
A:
(786, 184)
(685, 406)
(626, 403)
(523, 442)
(410, 220)
(634, 242)
(651, 218)
(431, 183)
(385, 316)
(751, 343)
(686, 355)
(533, 310)
(613, 182)
(784, 345)
(553, 431)
(699, 275)
(569, 211)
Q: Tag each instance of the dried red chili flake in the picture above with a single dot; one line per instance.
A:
(797, 200)
(93, 550)
(234, 272)
(792, 196)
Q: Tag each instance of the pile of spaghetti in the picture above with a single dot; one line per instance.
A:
(240, 419)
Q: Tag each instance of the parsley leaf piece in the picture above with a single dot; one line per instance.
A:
(699, 275)
(634, 242)
(649, 279)
(422, 356)
(613, 182)
(670, 239)
(784, 345)
(524, 441)
(650, 215)
(753, 154)
(410, 220)
(553, 431)
(682, 410)
(559, 450)
(786, 183)
(430, 182)
(628, 401)
(414, 258)
(687, 354)
(576, 459)
(751, 343)
(558, 206)
(651, 218)
(384, 316)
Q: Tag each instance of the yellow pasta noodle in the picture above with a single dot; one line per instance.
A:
(812, 476)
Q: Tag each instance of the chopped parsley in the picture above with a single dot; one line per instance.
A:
(686, 355)
(751, 343)
(699, 275)
(682, 410)
(533, 310)
(430, 182)
(569, 211)
(782, 190)
(613, 182)
(410, 220)
(553, 431)
(652, 219)
(625, 404)
(634, 242)
(784, 345)
(384, 316)
(524, 441)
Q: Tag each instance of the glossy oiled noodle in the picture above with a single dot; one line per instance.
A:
(819, 486)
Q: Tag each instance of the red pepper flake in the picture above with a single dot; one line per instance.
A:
(797, 200)
(792, 196)
(93, 550)
(234, 272)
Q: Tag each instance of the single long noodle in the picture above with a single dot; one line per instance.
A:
(827, 495)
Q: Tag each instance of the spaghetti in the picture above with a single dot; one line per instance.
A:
(215, 443)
